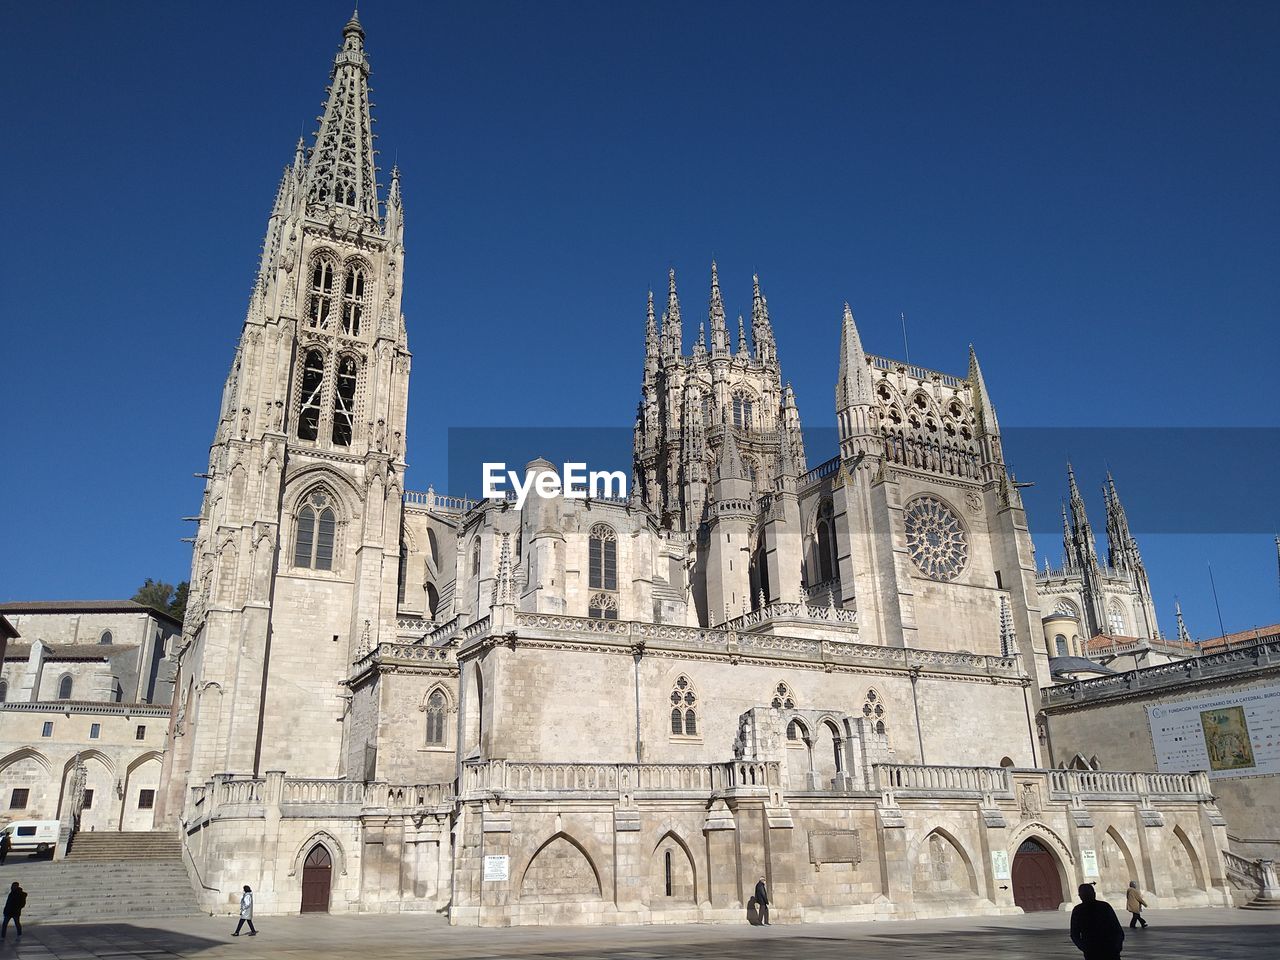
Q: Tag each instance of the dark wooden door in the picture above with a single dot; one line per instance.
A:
(317, 875)
(1036, 884)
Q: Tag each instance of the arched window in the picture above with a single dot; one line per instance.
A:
(1060, 645)
(475, 558)
(4, 691)
(603, 558)
(838, 754)
(344, 402)
(106, 637)
(873, 712)
(402, 577)
(684, 709)
(321, 301)
(1065, 606)
(1116, 618)
(666, 859)
(603, 606)
(797, 731)
(782, 699)
(317, 524)
(436, 709)
(309, 398)
(743, 407)
(825, 531)
(64, 687)
(353, 300)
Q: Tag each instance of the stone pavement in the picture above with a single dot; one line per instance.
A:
(1173, 935)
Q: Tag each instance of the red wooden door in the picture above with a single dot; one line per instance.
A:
(317, 875)
(1036, 884)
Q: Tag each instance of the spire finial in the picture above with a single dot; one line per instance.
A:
(742, 338)
(719, 328)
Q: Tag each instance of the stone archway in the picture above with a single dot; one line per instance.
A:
(1037, 881)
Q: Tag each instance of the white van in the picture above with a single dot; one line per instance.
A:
(32, 836)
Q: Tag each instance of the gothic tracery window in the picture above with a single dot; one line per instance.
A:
(602, 558)
(936, 539)
(684, 709)
(782, 698)
(603, 606)
(873, 712)
(312, 385)
(1117, 621)
(344, 402)
(314, 539)
(743, 407)
(825, 536)
(321, 301)
(353, 287)
(436, 709)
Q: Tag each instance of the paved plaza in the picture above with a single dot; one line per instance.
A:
(1173, 935)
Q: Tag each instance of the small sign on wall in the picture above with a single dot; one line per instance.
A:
(497, 868)
(1000, 864)
(1089, 863)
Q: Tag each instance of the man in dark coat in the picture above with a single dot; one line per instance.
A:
(13, 905)
(5, 844)
(1094, 927)
(762, 898)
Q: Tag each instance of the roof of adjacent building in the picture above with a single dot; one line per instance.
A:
(87, 606)
(1239, 638)
(1065, 666)
(7, 629)
(71, 651)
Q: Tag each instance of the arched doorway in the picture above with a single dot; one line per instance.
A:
(317, 876)
(1036, 883)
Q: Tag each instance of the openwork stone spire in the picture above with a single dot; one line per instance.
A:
(341, 171)
(853, 385)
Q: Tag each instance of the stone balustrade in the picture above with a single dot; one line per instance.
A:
(917, 373)
(1259, 875)
(439, 502)
(905, 778)
(252, 797)
(793, 611)
(821, 471)
(615, 780)
(1108, 784)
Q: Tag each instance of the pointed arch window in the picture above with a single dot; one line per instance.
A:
(603, 558)
(105, 638)
(436, 709)
(402, 575)
(4, 691)
(782, 698)
(312, 385)
(603, 606)
(1116, 618)
(353, 285)
(873, 712)
(825, 536)
(344, 402)
(684, 709)
(743, 408)
(317, 526)
(320, 304)
(475, 558)
(65, 686)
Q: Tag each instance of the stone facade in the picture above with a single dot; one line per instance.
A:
(619, 710)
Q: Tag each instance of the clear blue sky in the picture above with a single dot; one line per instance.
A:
(1086, 191)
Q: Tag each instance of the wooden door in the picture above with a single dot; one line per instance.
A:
(317, 875)
(1036, 884)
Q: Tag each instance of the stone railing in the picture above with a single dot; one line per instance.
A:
(228, 792)
(618, 779)
(251, 797)
(905, 778)
(439, 502)
(445, 632)
(1264, 654)
(89, 706)
(821, 471)
(1120, 784)
(322, 791)
(1259, 874)
(792, 611)
(917, 373)
(413, 624)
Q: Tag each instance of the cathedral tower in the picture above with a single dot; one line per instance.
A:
(295, 562)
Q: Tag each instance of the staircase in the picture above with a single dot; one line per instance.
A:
(1257, 876)
(106, 876)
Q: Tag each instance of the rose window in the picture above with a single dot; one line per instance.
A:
(935, 539)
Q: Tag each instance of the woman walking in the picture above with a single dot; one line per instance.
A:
(246, 912)
(1134, 903)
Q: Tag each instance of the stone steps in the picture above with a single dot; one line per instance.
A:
(124, 846)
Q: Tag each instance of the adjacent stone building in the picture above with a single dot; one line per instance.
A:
(621, 710)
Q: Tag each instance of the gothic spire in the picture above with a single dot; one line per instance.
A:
(761, 328)
(341, 171)
(730, 467)
(1183, 634)
(650, 329)
(1082, 532)
(700, 348)
(742, 338)
(983, 408)
(786, 459)
(1068, 545)
(672, 324)
(715, 314)
(1122, 549)
(853, 384)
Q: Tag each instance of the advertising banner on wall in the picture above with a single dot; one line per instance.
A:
(1229, 735)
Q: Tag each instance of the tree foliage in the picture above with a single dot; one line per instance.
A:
(163, 596)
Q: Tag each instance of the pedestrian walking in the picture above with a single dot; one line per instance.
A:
(13, 905)
(5, 844)
(1094, 927)
(1134, 903)
(762, 898)
(246, 912)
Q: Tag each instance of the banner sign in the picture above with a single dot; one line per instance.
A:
(1229, 735)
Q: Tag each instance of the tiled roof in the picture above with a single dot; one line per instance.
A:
(86, 606)
(1239, 638)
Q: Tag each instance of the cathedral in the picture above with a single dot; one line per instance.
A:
(627, 710)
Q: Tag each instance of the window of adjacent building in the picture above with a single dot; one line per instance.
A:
(353, 300)
(146, 799)
(321, 301)
(684, 706)
(344, 402)
(313, 542)
(602, 567)
(436, 708)
(95, 731)
(88, 800)
(1060, 642)
(47, 729)
(106, 637)
(141, 732)
(309, 403)
(18, 799)
(65, 686)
